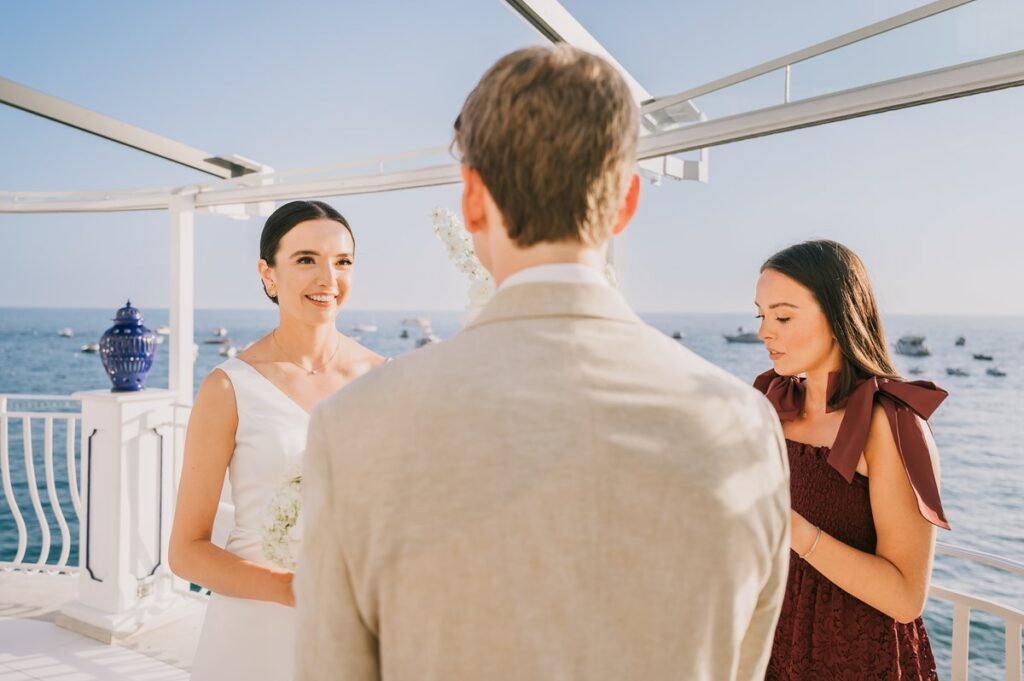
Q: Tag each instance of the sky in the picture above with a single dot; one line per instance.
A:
(926, 196)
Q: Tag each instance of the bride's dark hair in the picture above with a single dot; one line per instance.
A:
(840, 284)
(282, 220)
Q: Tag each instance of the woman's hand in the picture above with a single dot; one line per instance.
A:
(285, 593)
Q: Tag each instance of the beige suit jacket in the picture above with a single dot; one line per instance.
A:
(557, 492)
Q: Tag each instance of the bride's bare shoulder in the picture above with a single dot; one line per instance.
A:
(258, 352)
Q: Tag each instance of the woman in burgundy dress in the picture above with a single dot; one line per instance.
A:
(864, 474)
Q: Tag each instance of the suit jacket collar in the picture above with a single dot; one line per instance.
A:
(555, 299)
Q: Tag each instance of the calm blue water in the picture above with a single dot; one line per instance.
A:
(979, 429)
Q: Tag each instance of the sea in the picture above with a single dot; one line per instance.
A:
(979, 429)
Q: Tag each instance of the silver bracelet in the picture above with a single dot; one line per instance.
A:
(817, 538)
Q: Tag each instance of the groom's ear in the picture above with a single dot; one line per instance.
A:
(474, 200)
(628, 208)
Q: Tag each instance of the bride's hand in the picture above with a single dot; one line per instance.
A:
(285, 593)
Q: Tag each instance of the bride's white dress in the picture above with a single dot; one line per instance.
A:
(243, 639)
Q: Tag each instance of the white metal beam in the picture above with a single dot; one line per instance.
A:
(985, 75)
(41, 104)
(557, 24)
(182, 310)
(877, 28)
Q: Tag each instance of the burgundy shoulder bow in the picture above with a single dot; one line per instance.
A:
(903, 402)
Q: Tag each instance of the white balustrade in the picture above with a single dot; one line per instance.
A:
(31, 413)
(1013, 619)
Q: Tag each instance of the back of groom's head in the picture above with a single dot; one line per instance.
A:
(552, 131)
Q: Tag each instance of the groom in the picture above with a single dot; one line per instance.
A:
(559, 491)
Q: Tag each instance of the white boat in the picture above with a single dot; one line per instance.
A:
(912, 346)
(91, 347)
(421, 322)
(365, 328)
(995, 371)
(66, 333)
(678, 335)
(742, 336)
(220, 332)
(229, 351)
(163, 330)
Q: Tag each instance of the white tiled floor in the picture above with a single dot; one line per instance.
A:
(32, 647)
(41, 650)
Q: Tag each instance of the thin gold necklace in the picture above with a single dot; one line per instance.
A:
(309, 372)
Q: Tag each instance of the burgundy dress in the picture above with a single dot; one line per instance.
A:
(824, 632)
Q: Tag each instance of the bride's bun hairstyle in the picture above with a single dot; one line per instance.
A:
(282, 220)
(840, 284)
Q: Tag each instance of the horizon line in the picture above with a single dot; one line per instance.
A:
(462, 311)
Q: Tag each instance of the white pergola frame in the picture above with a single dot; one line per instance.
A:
(673, 124)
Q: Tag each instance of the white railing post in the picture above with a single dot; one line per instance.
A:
(5, 474)
(124, 582)
(182, 323)
(1013, 653)
(961, 641)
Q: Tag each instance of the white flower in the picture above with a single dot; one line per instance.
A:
(282, 527)
(459, 245)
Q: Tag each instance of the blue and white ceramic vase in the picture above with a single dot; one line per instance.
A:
(127, 350)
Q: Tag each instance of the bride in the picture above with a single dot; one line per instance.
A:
(249, 421)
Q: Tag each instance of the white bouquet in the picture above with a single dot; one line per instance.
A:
(282, 527)
(459, 244)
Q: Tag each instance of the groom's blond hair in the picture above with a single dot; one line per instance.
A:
(552, 132)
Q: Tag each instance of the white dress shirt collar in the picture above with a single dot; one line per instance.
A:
(571, 273)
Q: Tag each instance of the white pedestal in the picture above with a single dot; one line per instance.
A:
(127, 474)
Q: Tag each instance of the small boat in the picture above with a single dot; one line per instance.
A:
(220, 332)
(66, 333)
(229, 351)
(365, 328)
(995, 371)
(915, 371)
(163, 330)
(404, 334)
(960, 340)
(217, 341)
(427, 340)
(678, 335)
(160, 340)
(983, 358)
(912, 346)
(421, 322)
(91, 347)
(956, 371)
(742, 336)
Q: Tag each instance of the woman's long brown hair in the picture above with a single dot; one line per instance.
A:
(839, 282)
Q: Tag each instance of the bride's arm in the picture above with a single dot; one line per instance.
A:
(208, 447)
